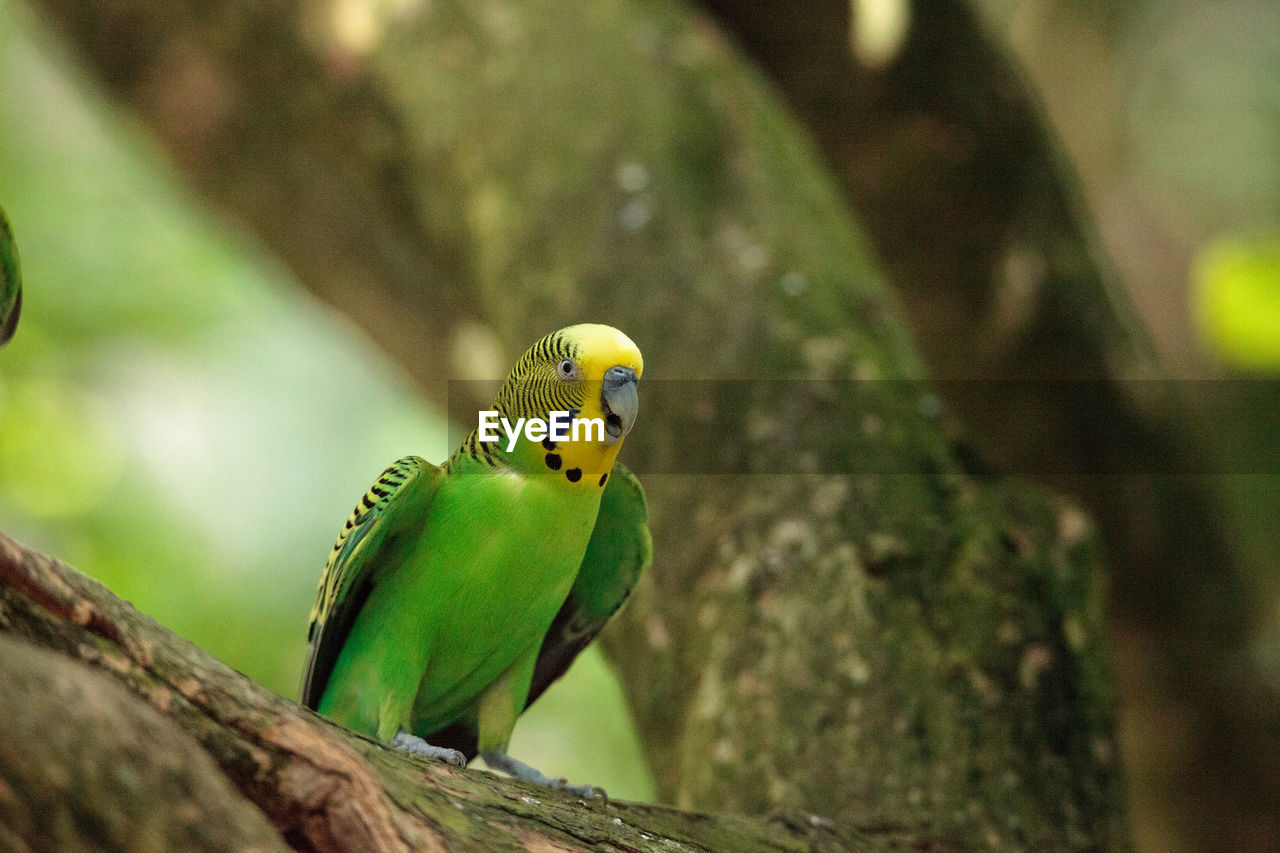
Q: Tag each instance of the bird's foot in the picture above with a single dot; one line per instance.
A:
(499, 760)
(417, 746)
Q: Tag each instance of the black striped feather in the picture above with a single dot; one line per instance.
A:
(348, 579)
(532, 389)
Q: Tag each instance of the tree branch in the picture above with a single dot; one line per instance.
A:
(132, 737)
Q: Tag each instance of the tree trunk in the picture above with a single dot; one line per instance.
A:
(951, 165)
(838, 618)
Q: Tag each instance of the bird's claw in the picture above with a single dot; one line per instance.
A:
(417, 746)
(585, 792)
(499, 760)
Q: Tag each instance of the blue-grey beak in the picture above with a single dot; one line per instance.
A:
(620, 401)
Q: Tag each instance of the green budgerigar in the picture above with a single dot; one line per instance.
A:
(456, 594)
(10, 282)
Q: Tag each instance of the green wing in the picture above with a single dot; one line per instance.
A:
(394, 504)
(619, 549)
(10, 282)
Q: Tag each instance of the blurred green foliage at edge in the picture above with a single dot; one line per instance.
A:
(1237, 300)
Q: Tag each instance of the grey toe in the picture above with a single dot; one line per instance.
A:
(417, 746)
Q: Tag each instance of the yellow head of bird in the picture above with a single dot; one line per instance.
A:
(581, 381)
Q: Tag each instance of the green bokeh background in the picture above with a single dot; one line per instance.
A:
(1237, 301)
(180, 420)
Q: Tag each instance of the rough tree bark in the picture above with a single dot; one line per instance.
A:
(838, 619)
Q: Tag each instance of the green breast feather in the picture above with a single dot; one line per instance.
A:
(620, 548)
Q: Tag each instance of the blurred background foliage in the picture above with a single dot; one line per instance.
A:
(1237, 301)
(170, 388)
(184, 423)
(1171, 115)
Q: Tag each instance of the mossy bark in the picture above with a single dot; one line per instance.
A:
(837, 618)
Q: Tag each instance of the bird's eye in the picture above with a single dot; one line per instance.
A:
(567, 368)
